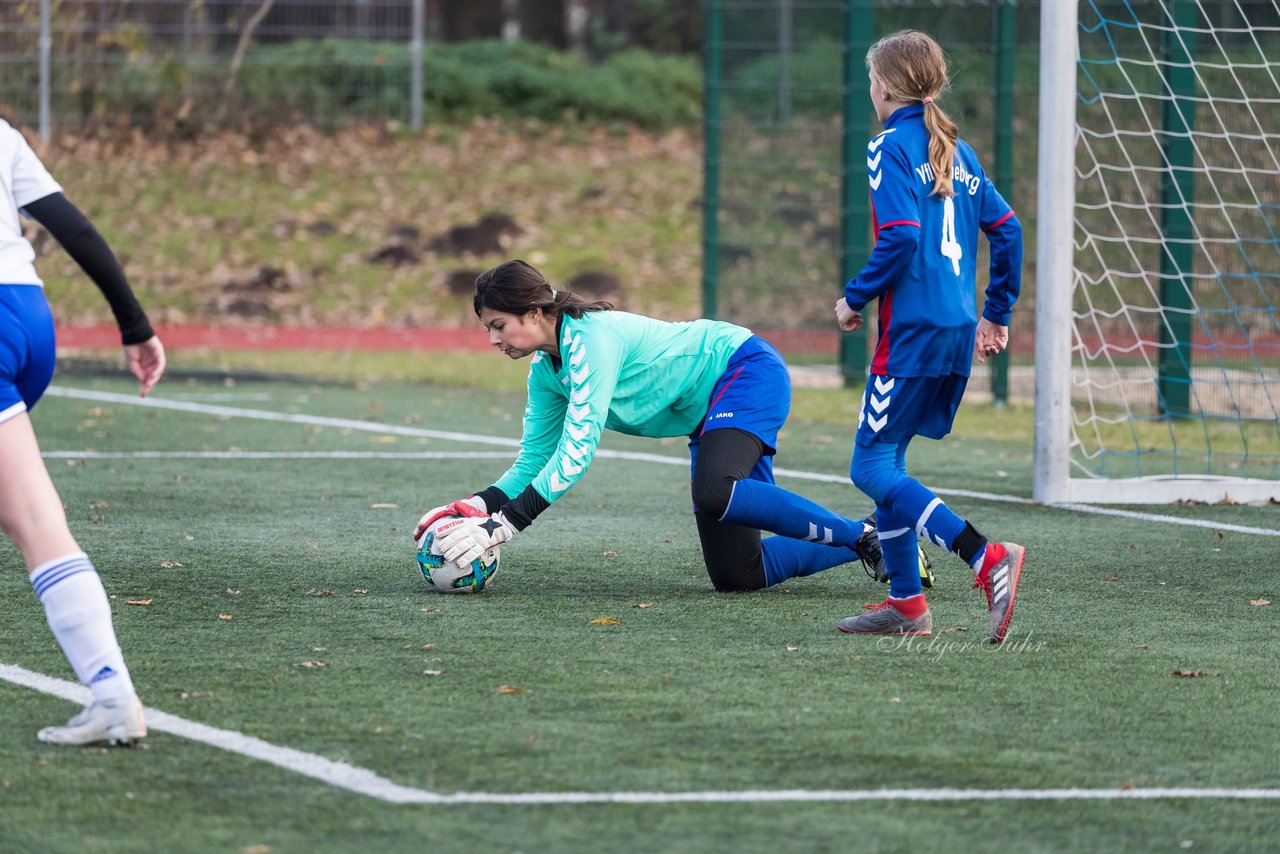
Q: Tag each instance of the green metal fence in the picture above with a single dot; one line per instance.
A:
(787, 119)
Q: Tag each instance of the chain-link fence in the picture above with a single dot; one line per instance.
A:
(788, 119)
(68, 63)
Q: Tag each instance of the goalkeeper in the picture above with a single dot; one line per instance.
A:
(724, 388)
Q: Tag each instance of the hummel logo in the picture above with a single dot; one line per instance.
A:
(873, 163)
(874, 180)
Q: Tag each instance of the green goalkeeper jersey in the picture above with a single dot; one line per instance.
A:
(620, 371)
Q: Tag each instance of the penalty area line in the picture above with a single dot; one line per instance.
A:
(474, 438)
(364, 782)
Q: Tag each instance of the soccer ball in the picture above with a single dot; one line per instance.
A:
(446, 576)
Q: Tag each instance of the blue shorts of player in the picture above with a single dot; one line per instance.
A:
(733, 483)
(894, 411)
(26, 348)
(754, 396)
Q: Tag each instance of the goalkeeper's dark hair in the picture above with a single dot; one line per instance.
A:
(516, 287)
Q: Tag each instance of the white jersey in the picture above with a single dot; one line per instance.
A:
(24, 180)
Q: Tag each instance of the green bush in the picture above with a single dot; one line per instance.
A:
(331, 81)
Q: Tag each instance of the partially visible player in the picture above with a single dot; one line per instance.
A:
(724, 388)
(930, 198)
(31, 513)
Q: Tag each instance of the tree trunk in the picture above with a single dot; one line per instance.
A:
(463, 20)
(544, 21)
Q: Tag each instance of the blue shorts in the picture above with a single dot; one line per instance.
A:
(26, 348)
(897, 408)
(752, 395)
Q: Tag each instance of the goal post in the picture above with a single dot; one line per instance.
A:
(1158, 252)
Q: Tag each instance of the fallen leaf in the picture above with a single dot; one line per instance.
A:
(608, 554)
(512, 689)
(1112, 577)
(231, 592)
(1189, 673)
(1259, 601)
(312, 664)
(170, 564)
(1219, 534)
(384, 506)
(138, 601)
(438, 672)
(431, 646)
(319, 649)
(643, 605)
(256, 849)
(895, 699)
(362, 590)
(192, 695)
(430, 610)
(605, 621)
(224, 616)
(791, 648)
(318, 592)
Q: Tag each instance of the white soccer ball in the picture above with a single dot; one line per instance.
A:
(448, 577)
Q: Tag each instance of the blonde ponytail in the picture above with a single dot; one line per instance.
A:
(943, 134)
(912, 67)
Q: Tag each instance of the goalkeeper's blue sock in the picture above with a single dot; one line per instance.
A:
(760, 505)
(787, 558)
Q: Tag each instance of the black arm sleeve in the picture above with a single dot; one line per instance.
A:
(86, 246)
(524, 508)
(493, 499)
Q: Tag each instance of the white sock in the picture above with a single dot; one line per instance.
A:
(76, 606)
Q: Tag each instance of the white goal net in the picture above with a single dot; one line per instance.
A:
(1158, 287)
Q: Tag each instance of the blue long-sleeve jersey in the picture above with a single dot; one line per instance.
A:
(923, 266)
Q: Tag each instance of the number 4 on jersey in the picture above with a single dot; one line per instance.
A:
(950, 246)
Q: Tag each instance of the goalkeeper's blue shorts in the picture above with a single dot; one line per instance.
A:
(26, 348)
(753, 395)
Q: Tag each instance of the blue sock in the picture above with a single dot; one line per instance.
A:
(755, 504)
(914, 505)
(787, 558)
(901, 558)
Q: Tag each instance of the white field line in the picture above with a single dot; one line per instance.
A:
(365, 782)
(474, 438)
(276, 455)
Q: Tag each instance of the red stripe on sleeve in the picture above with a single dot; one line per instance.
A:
(1001, 221)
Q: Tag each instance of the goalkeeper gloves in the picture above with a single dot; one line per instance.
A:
(464, 540)
(473, 506)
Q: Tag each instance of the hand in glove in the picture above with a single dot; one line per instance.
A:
(464, 540)
(473, 506)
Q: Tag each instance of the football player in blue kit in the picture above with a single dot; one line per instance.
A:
(930, 198)
(31, 513)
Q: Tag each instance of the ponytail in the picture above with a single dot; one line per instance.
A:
(943, 134)
(912, 67)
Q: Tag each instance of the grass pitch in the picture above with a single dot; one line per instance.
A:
(264, 583)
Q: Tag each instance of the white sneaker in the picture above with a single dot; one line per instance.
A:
(121, 724)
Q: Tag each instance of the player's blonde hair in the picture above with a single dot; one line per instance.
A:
(912, 67)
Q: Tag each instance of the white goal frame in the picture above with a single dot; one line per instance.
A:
(1055, 279)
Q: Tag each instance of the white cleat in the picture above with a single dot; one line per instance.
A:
(121, 724)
